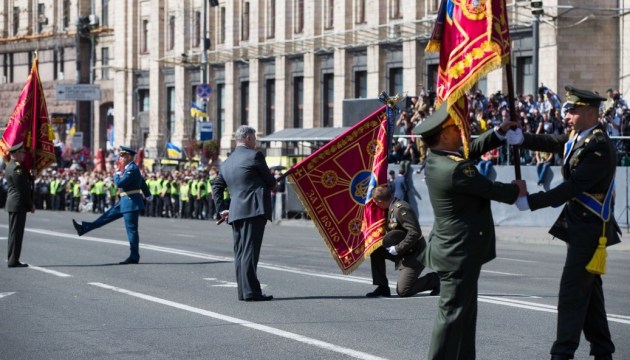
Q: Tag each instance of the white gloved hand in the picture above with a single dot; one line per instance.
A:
(514, 137)
(522, 203)
(392, 250)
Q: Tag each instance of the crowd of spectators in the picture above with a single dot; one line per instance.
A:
(541, 114)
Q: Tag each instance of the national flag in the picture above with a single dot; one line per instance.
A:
(173, 151)
(29, 123)
(473, 38)
(73, 128)
(335, 186)
(197, 111)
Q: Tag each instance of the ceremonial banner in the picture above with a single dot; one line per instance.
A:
(30, 125)
(473, 38)
(335, 185)
(197, 111)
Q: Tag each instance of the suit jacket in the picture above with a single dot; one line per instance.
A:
(463, 231)
(246, 174)
(400, 187)
(590, 168)
(130, 180)
(19, 192)
(401, 217)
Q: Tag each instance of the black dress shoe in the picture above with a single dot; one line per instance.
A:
(603, 357)
(78, 228)
(380, 291)
(260, 297)
(18, 265)
(436, 289)
(128, 261)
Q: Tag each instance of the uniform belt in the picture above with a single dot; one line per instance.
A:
(130, 192)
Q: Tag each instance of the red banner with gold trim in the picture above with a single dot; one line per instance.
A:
(473, 38)
(335, 185)
(30, 125)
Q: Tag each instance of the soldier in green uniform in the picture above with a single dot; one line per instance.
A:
(406, 243)
(587, 194)
(462, 239)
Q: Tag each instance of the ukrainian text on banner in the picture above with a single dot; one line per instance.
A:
(29, 124)
(335, 185)
(473, 38)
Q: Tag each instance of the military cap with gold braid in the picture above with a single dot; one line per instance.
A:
(434, 123)
(578, 97)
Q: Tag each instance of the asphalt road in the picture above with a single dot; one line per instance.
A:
(76, 302)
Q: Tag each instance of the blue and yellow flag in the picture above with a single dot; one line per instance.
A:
(173, 151)
(197, 111)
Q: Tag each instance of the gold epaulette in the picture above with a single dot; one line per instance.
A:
(599, 135)
(456, 158)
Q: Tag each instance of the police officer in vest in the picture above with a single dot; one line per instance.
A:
(587, 193)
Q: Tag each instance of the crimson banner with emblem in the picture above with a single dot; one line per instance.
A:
(473, 38)
(335, 186)
(29, 124)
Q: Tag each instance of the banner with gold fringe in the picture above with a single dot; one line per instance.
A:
(29, 123)
(473, 38)
(335, 186)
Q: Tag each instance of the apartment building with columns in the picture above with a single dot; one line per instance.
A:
(274, 64)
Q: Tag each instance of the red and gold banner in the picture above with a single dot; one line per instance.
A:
(473, 38)
(30, 125)
(335, 185)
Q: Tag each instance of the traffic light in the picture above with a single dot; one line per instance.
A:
(536, 6)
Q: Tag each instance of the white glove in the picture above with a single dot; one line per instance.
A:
(150, 198)
(514, 137)
(522, 203)
(392, 250)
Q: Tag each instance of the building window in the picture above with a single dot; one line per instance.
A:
(395, 12)
(360, 84)
(525, 75)
(396, 80)
(41, 17)
(58, 63)
(144, 41)
(359, 11)
(432, 6)
(104, 63)
(144, 100)
(170, 111)
(105, 13)
(244, 102)
(298, 102)
(196, 29)
(221, 110)
(329, 14)
(328, 98)
(270, 102)
(298, 10)
(171, 32)
(271, 18)
(16, 20)
(245, 22)
(66, 14)
(222, 26)
(432, 77)
(7, 68)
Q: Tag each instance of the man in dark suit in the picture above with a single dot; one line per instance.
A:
(246, 174)
(19, 201)
(400, 184)
(402, 244)
(587, 193)
(133, 189)
(462, 239)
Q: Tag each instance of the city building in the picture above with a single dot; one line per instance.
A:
(273, 64)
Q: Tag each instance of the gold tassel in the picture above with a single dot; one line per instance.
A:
(432, 46)
(597, 265)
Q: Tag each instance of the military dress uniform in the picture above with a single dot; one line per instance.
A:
(462, 238)
(19, 202)
(588, 172)
(402, 220)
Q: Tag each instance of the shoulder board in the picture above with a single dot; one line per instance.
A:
(398, 204)
(598, 135)
(456, 158)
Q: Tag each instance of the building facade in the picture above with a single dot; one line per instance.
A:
(273, 64)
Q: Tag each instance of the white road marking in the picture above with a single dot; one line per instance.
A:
(222, 283)
(3, 238)
(53, 272)
(5, 294)
(244, 323)
(517, 260)
(500, 273)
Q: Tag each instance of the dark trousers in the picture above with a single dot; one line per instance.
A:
(17, 221)
(131, 225)
(248, 236)
(581, 307)
(453, 336)
(409, 283)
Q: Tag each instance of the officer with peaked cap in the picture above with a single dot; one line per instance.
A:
(133, 189)
(19, 202)
(462, 238)
(587, 193)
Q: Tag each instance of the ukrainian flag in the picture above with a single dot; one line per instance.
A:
(197, 111)
(173, 151)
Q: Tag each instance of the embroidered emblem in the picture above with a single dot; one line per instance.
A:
(469, 171)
